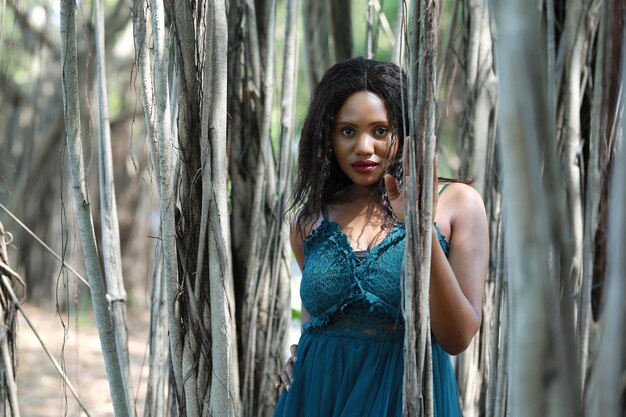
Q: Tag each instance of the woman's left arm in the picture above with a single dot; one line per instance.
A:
(456, 283)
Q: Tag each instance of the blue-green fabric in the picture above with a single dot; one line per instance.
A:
(350, 355)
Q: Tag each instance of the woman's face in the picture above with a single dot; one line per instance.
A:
(362, 138)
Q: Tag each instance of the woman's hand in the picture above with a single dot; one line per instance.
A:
(285, 378)
(396, 197)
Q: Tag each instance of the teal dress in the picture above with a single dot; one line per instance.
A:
(350, 355)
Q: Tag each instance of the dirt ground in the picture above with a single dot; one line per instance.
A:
(41, 390)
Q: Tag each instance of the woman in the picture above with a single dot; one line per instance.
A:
(348, 238)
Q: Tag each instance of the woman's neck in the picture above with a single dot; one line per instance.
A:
(354, 193)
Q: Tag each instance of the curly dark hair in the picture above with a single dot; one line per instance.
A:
(319, 176)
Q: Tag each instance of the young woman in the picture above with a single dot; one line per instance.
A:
(348, 238)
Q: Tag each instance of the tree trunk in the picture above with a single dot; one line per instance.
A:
(420, 151)
(580, 25)
(262, 264)
(532, 207)
(111, 251)
(607, 390)
(341, 29)
(480, 162)
(167, 200)
(317, 49)
(224, 395)
(8, 339)
(82, 206)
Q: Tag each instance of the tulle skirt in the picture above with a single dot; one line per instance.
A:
(337, 376)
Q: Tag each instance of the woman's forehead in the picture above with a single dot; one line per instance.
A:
(362, 104)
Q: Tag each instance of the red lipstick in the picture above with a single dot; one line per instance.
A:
(364, 167)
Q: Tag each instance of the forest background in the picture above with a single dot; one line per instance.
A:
(188, 139)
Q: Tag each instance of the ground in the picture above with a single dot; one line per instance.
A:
(41, 390)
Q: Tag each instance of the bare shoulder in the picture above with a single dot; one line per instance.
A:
(466, 221)
(461, 202)
(298, 232)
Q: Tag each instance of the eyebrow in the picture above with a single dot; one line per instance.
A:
(378, 123)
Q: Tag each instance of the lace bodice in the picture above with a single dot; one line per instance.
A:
(353, 298)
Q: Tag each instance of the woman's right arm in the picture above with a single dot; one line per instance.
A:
(297, 246)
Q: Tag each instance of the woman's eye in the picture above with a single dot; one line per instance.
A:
(380, 132)
(346, 131)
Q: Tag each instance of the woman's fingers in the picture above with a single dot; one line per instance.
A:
(395, 196)
(294, 352)
(285, 378)
(393, 191)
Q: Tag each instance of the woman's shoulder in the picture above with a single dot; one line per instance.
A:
(460, 192)
(302, 226)
(461, 203)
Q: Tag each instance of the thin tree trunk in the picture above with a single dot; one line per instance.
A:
(580, 25)
(593, 189)
(167, 199)
(530, 211)
(529, 273)
(157, 369)
(142, 60)
(224, 400)
(265, 290)
(481, 91)
(398, 53)
(189, 25)
(418, 384)
(493, 374)
(111, 251)
(254, 315)
(157, 373)
(564, 193)
(8, 351)
(608, 379)
(82, 206)
(371, 32)
(479, 162)
(341, 28)
(316, 28)
(280, 269)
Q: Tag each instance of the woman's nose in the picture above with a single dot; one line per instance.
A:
(364, 145)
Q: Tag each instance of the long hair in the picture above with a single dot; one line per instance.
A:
(319, 177)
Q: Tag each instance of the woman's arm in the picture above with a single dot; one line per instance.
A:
(456, 284)
(297, 246)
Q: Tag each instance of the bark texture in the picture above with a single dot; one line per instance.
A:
(420, 148)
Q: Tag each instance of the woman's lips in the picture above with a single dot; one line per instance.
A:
(364, 166)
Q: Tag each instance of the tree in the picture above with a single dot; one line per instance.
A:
(204, 296)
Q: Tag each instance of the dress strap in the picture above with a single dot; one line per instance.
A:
(444, 187)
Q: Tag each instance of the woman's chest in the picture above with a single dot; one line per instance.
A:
(332, 273)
